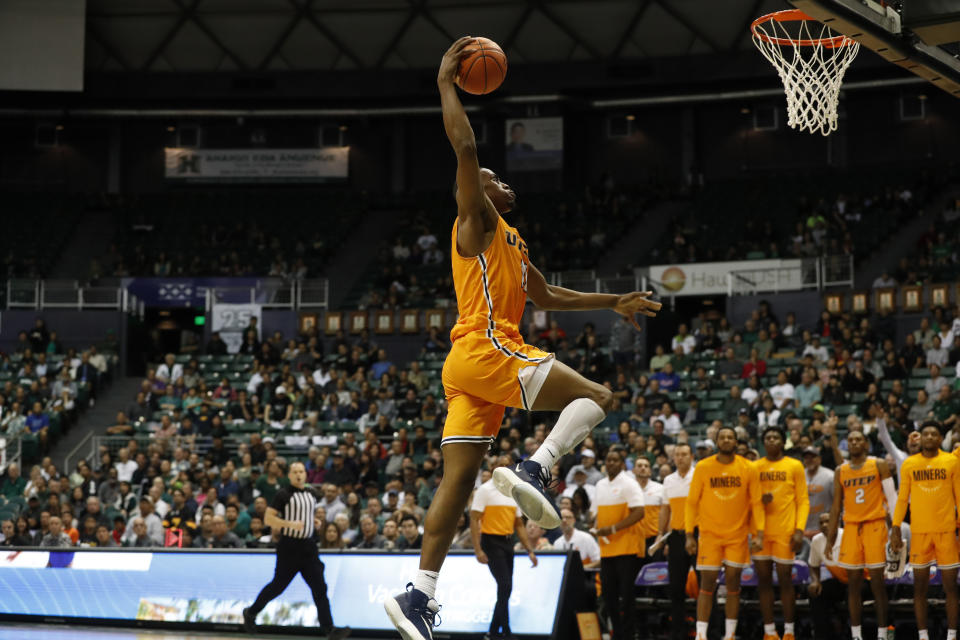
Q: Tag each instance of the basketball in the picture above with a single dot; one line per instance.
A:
(484, 69)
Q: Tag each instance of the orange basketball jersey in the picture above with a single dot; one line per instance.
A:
(932, 488)
(863, 498)
(723, 497)
(786, 481)
(491, 287)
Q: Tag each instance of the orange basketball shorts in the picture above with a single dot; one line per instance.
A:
(864, 545)
(929, 548)
(485, 374)
(776, 548)
(712, 552)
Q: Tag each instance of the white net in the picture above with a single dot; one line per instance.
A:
(811, 60)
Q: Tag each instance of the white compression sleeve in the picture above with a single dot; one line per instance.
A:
(891, 493)
(574, 424)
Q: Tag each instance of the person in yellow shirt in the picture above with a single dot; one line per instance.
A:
(786, 503)
(494, 518)
(618, 511)
(724, 494)
(860, 486)
(676, 487)
(930, 484)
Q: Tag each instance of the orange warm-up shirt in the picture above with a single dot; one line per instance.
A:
(491, 287)
(614, 500)
(932, 488)
(863, 498)
(723, 497)
(786, 480)
(498, 512)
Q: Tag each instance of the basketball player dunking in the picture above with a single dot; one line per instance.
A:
(489, 367)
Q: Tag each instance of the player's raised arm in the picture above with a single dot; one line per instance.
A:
(835, 508)
(554, 298)
(473, 208)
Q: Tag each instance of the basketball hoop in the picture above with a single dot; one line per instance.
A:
(811, 60)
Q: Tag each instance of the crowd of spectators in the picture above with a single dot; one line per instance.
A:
(834, 224)
(180, 475)
(412, 270)
(43, 385)
(935, 257)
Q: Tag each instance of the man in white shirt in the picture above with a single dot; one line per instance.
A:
(580, 541)
(683, 339)
(782, 392)
(671, 421)
(169, 372)
(618, 511)
(819, 352)
(828, 580)
(580, 482)
(676, 487)
(652, 498)
(125, 466)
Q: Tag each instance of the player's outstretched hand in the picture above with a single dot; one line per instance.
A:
(451, 60)
(630, 304)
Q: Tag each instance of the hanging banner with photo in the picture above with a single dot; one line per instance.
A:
(535, 144)
(231, 320)
(257, 165)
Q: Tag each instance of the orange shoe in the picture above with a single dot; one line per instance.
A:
(788, 636)
(774, 636)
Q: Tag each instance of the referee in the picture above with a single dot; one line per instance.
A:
(296, 552)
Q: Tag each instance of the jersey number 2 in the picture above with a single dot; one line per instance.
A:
(860, 497)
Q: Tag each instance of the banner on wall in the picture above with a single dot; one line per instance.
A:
(203, 587)
(257, 165)
(712, 278)
(192, 292)
(535, 144)
(231, 320)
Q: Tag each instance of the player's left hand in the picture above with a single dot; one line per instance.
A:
(630, 304)
(796, 543)
(533, 558)
(756, 543)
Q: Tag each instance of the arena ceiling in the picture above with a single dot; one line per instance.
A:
(304, 35)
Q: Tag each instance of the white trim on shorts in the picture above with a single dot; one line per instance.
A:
(530, 384)
(469, 439)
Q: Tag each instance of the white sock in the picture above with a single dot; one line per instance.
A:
(426, 581)
(787, 628)
(731, 628)
(574, 424)
(923, 635)
(881, 633)
(951, 634)
(855, 632)
(770, 629)
(702, 629)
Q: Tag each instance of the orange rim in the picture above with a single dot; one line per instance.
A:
(795, 15)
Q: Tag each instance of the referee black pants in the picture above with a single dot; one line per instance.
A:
(499, 550)
(618, 576)
(678, 566)
(293, 557)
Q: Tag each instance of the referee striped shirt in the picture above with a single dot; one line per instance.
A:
(296, 505)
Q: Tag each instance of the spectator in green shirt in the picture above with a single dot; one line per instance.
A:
(659, 359)
(14, 484)
(273, 481)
